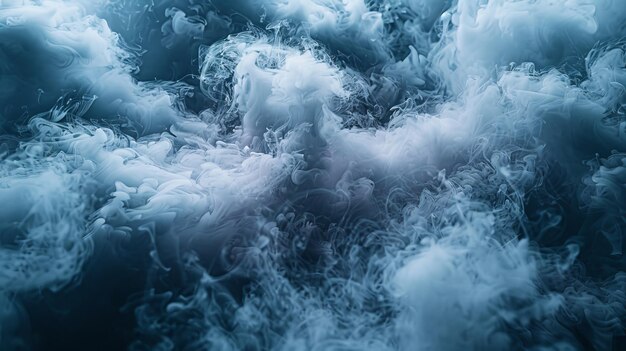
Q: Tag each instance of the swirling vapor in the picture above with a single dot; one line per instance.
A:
(312, 175)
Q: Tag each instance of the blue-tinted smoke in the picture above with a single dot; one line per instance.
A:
(312, 175)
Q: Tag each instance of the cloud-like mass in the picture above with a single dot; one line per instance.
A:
(312, 175)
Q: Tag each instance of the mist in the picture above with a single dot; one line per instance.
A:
(312, 175)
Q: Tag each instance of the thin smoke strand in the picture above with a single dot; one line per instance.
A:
(312, 175)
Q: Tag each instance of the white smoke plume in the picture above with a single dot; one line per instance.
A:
(312, 175)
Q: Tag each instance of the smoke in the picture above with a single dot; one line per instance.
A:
(312, 175)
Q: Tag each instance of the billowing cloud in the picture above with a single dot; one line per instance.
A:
(312, 175)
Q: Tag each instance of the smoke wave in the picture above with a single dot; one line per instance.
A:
(312, 175)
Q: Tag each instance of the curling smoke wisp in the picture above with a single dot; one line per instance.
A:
(312, 175)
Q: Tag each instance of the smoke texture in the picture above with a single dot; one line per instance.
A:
(312, 175)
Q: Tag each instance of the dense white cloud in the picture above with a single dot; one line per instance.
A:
(315, 174)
